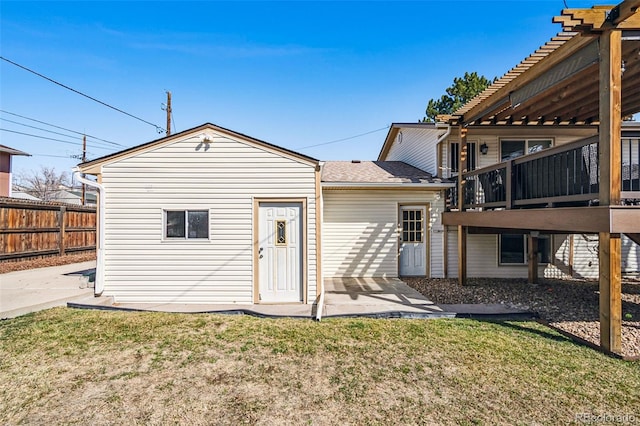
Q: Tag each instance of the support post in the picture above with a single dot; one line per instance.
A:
(610, 139)
(571, 238)
(445, 251)
(609, 150)
(610, 292)
(509, 185)
(462, 255)
(532, 258)
(462, 167)
(462, 230)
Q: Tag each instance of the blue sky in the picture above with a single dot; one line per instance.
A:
(295, 74)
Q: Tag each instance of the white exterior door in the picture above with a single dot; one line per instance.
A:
(280, 252)
(413, 254)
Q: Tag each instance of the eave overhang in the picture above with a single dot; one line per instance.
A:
(394, 185)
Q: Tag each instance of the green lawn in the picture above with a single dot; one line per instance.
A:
(98, 367)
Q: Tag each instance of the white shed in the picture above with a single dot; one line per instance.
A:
(209, 215)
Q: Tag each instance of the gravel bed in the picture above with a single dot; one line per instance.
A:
(22, 265)
(570, 305)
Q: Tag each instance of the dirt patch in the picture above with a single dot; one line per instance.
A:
(23, 265)
(570, 305)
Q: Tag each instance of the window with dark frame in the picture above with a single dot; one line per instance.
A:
(412, 226)
(514, 249)
(514, 148)
(187, 224)
(454, 153)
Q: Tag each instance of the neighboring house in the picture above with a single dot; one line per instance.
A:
(5, 168)
(24, 196)
(73, 196)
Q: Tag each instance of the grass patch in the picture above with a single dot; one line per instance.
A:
(76, 366)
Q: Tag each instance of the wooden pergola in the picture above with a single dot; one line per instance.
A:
(588, 75)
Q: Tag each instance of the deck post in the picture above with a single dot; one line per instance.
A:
(445, 251)
(609, 151)
(532, 255)
(509, 185)
(462, 230)
(462, 255)
(610, 292)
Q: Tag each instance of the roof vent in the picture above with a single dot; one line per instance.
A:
(356, 161)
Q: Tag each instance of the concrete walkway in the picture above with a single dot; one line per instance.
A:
(28, 291)
(349, 297)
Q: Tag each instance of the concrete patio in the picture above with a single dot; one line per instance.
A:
(28, 291)
(346, 297)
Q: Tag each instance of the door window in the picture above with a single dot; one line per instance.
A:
(412, 226)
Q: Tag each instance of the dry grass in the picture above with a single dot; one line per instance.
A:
(73, 366)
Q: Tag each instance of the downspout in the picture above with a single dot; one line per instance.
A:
(320, 305)
(444, 230)
(440, 140)
(99, 283)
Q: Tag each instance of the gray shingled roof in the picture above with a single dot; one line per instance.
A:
(375, 172)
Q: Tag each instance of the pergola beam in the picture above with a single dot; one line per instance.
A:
(622, 12)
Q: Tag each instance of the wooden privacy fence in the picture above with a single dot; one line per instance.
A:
(34, 228)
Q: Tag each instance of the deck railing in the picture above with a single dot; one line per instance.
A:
(567, 175)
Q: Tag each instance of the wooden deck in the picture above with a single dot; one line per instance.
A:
(591, 185)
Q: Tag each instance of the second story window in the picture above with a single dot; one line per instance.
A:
(513, 148)
(454, 152)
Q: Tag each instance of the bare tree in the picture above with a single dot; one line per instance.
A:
(44, 183)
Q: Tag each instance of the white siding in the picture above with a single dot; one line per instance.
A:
(417, 148)
(585, 256)
(222, 177)
(630, 256)
(359, 231)
(482, 257)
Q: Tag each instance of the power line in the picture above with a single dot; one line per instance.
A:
(62, 128)
(158, 128)
(39, 128)
(344, 139)
(48, 155)
(46, 138)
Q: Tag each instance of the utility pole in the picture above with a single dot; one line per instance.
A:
(168, 113)
(84, 159)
